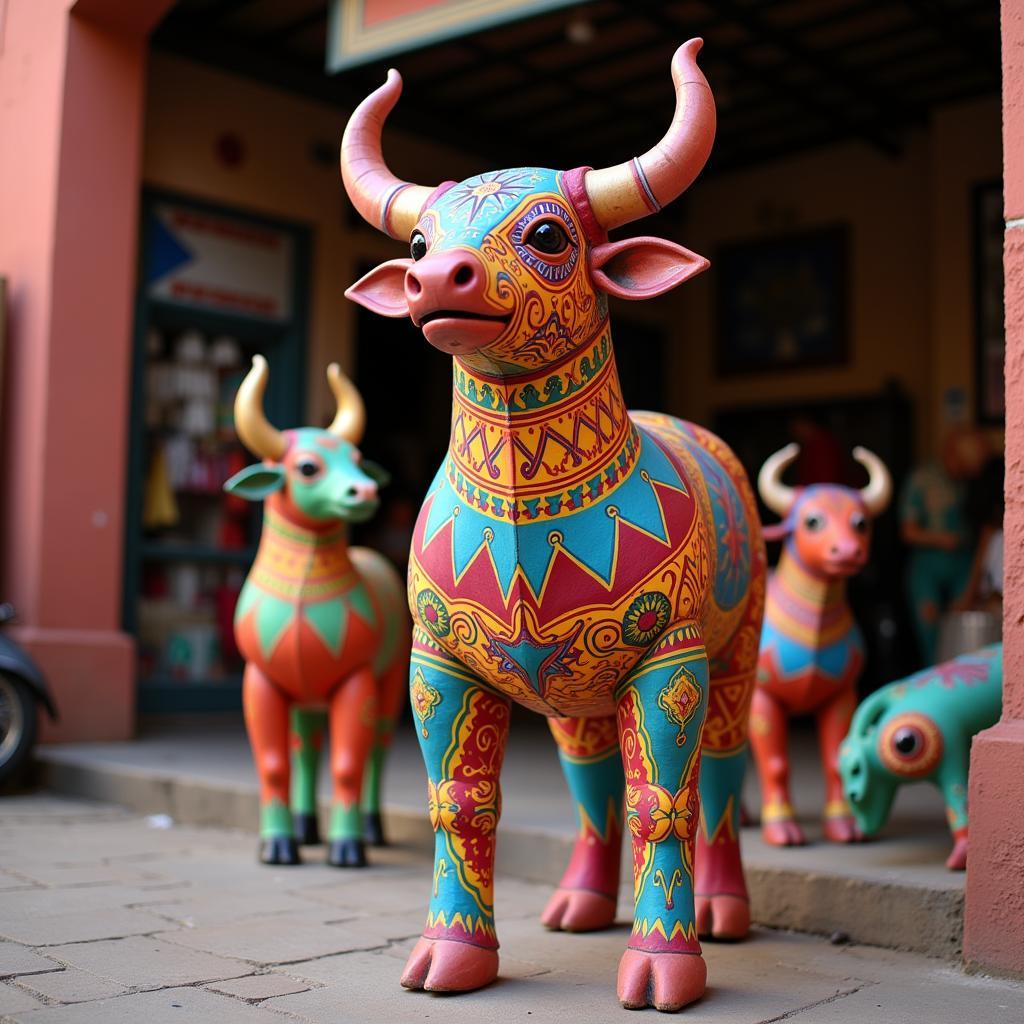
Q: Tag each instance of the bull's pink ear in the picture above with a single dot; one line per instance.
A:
(382, 290)
(640, 268)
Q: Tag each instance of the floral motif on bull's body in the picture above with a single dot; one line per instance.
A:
(580, 553)
(318, 623)
(811, 648)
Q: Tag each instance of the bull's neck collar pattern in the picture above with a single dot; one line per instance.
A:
(542, 444)
(280, 530)
(811, 591)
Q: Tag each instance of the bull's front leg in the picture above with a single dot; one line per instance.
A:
(309, 727)
(266, 721)
(462, 729)
(587, 895)
(352, 712)
(833, 721)
(661, 710)
(952, 780)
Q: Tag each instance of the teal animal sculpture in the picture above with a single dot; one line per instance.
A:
(917, 729)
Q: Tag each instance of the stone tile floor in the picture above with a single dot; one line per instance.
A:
(106, 918)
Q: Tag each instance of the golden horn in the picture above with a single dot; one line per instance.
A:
(254, 430)
(350, 419)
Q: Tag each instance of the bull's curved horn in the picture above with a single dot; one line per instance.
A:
(254, 430)
(878, 493)
(386, 202)
(774, 493)
(350, 420)
(644, 185)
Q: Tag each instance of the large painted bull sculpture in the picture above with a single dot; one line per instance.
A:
(602, 568)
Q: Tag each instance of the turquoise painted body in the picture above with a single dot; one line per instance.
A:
(932, 715)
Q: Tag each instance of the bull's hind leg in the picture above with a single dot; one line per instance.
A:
(661, 708)
(462, 730)
(586, 897)
(390, 690)
(723, 906)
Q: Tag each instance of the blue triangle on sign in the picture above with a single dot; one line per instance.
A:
(165, 253)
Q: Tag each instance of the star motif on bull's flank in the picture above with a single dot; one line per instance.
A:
(531, 659)
(495, 188)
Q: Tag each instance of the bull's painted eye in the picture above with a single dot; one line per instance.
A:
(859, 522)
(417, 245)
(814, 521)
(910, 745)
(307, 467)
(906, 741)
(548, 237)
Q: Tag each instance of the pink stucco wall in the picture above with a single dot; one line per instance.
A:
(71, 97)
(994, 920)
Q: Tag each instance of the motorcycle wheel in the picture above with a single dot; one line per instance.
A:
(17, 728)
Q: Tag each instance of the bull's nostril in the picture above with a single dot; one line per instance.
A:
(412, 284)
(463, 275)
(352, 492)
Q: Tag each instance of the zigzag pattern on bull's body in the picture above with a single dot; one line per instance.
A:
(810, 642)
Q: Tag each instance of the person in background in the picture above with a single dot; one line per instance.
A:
(984, 590)
(934, 522)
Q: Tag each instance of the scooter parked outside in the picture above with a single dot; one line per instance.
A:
(22, 690)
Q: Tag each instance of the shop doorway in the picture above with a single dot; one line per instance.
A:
(215, 287)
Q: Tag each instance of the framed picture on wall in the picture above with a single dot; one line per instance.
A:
(782, 302)
(989, 334)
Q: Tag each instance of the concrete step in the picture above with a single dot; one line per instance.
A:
(894, 892)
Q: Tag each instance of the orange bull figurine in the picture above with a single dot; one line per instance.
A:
(812, 651)
(320, 624)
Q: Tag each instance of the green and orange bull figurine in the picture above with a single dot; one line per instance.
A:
(812, 650)
(602, 568)
(920, 729)
(321, 625)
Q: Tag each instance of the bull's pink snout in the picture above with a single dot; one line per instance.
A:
(361, 490)
(446, 295)
(452, 280)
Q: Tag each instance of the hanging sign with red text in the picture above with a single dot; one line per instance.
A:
(218, 262)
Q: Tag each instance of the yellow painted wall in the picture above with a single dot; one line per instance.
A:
(910, 262)
(189, 106)
(910, 286)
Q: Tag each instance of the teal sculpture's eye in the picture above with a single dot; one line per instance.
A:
(307, 466)
(907, 741)
(418, 245)
(548, 238)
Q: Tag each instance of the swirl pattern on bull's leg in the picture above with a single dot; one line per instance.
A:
(462, 749)
(662, 810)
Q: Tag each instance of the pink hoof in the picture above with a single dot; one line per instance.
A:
(784, 832)
(726, 918)
(442, 965)
(578, 910)
(666, 981)
(957, 860)
(843, 830)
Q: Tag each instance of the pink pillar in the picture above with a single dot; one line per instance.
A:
(994, 922)
(71, 101)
